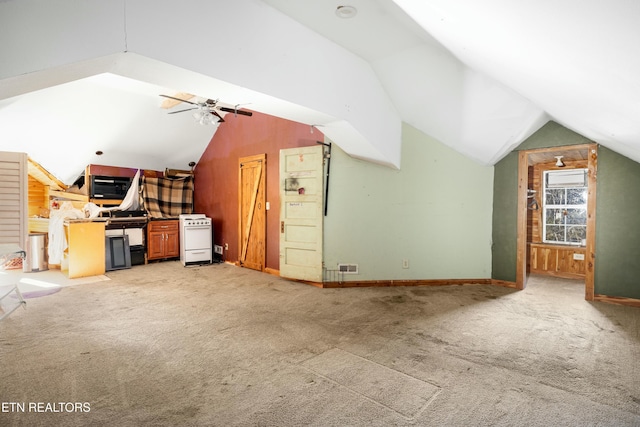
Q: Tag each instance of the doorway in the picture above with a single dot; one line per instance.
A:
(530, 163)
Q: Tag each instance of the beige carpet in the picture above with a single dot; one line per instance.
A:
(219, 345)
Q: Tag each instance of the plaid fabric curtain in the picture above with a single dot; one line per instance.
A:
(167, 198)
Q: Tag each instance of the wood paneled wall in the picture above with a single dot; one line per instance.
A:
(38, 197)
(557, 260)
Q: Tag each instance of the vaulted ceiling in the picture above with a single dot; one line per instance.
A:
(479, 76)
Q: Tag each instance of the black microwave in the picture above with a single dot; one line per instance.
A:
(109, 187)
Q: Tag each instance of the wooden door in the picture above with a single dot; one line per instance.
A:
(252, 211)
(301, 213)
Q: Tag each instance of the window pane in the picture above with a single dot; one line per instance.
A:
(576, 196)
(577, 216)
(554, 216)
(576, 233)
(555, 233)
(565, 213)
(555, 196)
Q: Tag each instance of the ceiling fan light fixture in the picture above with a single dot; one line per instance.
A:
(205, 117)
(559, 162)
(346, 12)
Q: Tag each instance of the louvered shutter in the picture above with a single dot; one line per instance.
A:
(13, 198)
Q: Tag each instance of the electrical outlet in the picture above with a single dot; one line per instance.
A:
(217, 249)
(226, 246)
(405, 263)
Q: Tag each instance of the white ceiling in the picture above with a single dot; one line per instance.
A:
(480, 76)
(63, 126)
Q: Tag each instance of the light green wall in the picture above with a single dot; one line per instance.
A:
(436, 212)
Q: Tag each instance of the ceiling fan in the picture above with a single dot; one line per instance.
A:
(207, 111)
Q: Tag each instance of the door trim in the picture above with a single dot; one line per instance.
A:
(525, 159)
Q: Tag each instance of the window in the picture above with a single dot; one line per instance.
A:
(565, 206)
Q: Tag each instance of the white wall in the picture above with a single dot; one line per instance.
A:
(435, 212)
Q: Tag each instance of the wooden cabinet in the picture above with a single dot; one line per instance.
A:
(85, 255)
(557, 260)
(163, 239)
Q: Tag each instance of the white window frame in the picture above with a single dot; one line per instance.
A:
(561, 206)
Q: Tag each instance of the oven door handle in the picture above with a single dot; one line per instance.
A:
(197, 227)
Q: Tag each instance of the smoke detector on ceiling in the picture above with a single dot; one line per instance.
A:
(346, 12)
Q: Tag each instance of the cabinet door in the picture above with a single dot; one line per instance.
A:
(155, 245)
(172, 244)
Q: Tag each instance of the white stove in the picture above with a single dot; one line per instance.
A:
(196, 236)
(194, 219)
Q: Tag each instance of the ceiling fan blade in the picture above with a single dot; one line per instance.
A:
(187, 95)
(231, 110)
(182, 111)
(215, 113)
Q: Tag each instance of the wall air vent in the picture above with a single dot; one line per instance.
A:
(348, 268)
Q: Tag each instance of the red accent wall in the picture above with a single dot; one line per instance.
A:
(217, 174)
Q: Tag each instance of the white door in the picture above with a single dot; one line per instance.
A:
(13, 198)
(301, 210)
